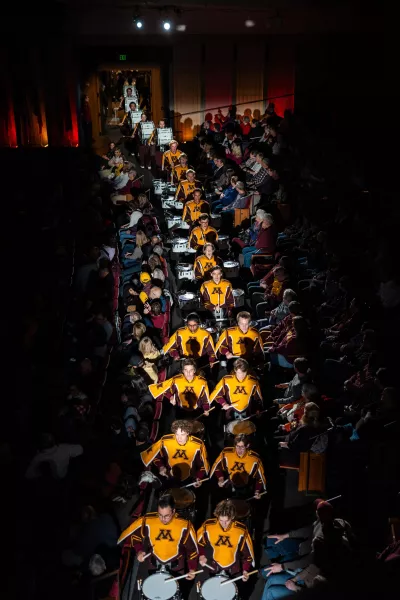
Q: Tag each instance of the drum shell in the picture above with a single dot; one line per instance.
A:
(238, 298)
(180, 245)
(185, 273)
(191, 303)
(243, 511)
(186, 512)
(246, 426)
(231, 271)
(159, 186)
(216, 221)
(223, 242)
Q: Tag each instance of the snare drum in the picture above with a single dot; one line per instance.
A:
(171, 189)
(179, 206)
(188, 301)
(220, 314)
(212, 589)
(159, 186)
(223, 242)
(180, 245)
(243, 511)
(241, 426)
(174, 222)
(185, 271)
(198, 429)
(155, 587)
(167, 202)
(231, 268)
(184, 502)
(216, 221)
(238, 296)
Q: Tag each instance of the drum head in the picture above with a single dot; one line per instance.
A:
(181, 471)
(198, 428)
(186, 296)
(240, 479)
(156, 588)
(183, 498)
(242, 508)
(238, 292)
(212, 589)
(246, 427)
(184, 267)
(180, 240)
(220, 238)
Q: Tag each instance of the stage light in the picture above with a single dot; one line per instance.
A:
(181, 27)
(167, 25)
(139, 24)
(249, 23)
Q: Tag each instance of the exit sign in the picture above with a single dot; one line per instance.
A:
(122, 57)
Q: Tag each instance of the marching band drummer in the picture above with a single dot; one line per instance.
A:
(191, 341)
(188, 391)
(186, 188)
(243, 468)
(238, 392)
(194, 208)
(203, 233)
(127, 125)
(179, 172)
(179, 455)
(170, 158)
(203, 264)
(170, 539)
(241, 341)
(217, 292)
(224, 543)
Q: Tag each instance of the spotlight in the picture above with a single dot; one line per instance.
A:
(139, 24)
(167, 25)
(249, 23)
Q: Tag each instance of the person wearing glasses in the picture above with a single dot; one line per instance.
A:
(163, 539)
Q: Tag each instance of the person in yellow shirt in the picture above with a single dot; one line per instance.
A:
(224, 543)
(238, 392)
(217, 293)
(203, 264)
(179, 171)
(168, 538)
(188, 391)
(186, 187)
(194, 208)
(191, 341)
(203, 233)
(242, 467)
(179, 455)
(241, 341)
(170, 158)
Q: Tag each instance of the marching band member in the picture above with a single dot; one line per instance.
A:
(242, 467)
(191, 341)
(238, 392)
(185, 190)
(127, 125)
(224, 543)
(217, 293)
(194, 208)
(170, 539)
(188, 391)
(144, 148)
(170, 158)
(179, 172)
(179, 455)
(241, 340)
(203, 264)
(202, 233)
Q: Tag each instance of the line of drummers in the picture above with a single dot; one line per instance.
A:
(208, 460)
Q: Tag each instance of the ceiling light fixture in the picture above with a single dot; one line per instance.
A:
(167, 25)
(249, 23)
(139, 24)
(181, 27)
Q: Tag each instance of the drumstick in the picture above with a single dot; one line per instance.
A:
(334, 498)
(202, 414)
(260, 413)
(146, 555)
(190, 484)
(208, 567)
(182, 576)
(252, 498)
(224, 482)
(237, 578)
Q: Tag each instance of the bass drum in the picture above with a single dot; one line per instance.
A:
(238, 296)
(231, 268)
(213, 590)
(155, 587)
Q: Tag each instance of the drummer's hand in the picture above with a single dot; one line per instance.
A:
(202, 560)
(257, 495)
(177, 358)
(273, 568)
(163, 471)
(173, 401)
(221, 481)
(191, 574)
(226, 406)
(245, 575)
(283, 444)
(197, 483)
(141, 556)
(206, 413)
(229, 355)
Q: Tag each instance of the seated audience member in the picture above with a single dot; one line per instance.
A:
(295, 343)
(256, 180)
(151, 354)
(245, 128)
(303, 437)
(274, 335)
(273, 294)
(265, 241)
(279, 313)
(133, 183)
(227, 196)
(56, 456)
(155, 319)
(241, 200)
(293, 388)
(218, 180)
(235, 154)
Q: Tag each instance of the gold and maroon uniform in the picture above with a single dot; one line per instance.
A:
(242, 470)
(193, 210)
(179, 173)
(189, 395)
(202, 266)
(241, 395)
(231, 549)
(245, 345)
(215, 295)
(199, 237)
(184, 460)
(185, 190)
(170, 160)
(173, 542)
(184, 343)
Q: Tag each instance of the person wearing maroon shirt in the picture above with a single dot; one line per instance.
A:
(266, 238)
(294, 344)
(132, 183)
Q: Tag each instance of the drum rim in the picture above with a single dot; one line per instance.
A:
(185, 266)
(166, 576)
(189, 492)
(192, 295)
(230, 264)
(238, 292)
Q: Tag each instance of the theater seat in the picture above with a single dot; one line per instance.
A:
(312, 473)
